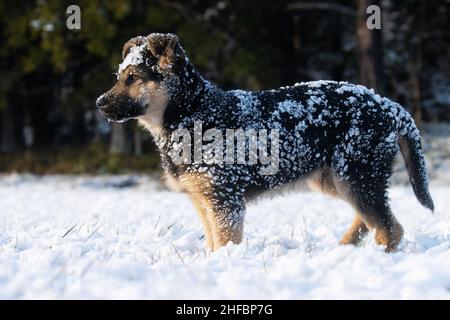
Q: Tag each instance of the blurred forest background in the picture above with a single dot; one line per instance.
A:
(51, 76)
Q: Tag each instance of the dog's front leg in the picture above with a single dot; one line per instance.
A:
(202, 206)
(222, 218)
(221, 211)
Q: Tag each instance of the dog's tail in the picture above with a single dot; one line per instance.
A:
(411, 149)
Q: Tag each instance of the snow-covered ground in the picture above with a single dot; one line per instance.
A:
(127, 237)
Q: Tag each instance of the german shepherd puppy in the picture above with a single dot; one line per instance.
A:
(334, 137)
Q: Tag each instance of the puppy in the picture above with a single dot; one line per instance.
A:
(334, 137)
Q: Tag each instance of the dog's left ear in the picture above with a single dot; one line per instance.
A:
(167, 49)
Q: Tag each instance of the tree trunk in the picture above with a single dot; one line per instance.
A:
(137, 141)
(365, 41)
(378, 55)
(416, 106)
(8, 136)
(120, 141)
(416, 69)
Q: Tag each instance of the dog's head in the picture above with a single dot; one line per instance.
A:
(150, 64)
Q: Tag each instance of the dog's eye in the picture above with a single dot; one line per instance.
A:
(131, 78)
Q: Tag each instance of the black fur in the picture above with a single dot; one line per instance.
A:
(353, 118)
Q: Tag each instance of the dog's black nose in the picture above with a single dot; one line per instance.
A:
(101, 101)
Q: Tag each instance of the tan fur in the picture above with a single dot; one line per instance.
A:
(202, 205)
(355, 233)
(156, 97)
(322, 180)
(318, 181)
(153, 94)
(135, 90)
(172, 182)
(198, 187)
(195, 186)
(164, 62)
(389, 234)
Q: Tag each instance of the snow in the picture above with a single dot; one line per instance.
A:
(128, 237)
(135, 57)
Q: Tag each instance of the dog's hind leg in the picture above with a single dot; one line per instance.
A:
(373, 212)
(325, 180)
(356, 233)
(376, 214)
(363, 176)
(358, 229)
(367, 191)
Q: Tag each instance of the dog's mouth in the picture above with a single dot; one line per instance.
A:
(114, 117)
(121, 113)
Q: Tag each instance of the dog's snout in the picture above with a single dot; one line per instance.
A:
(101, 101)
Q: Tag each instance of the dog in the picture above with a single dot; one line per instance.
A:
(334, 137)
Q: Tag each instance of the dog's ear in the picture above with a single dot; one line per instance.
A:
(167, 49)
(130, 44)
